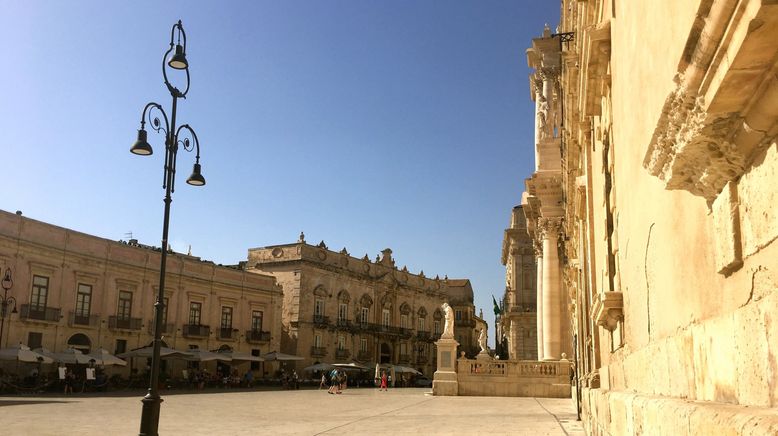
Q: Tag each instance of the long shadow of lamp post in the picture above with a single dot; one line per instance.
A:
(7, 284)
(149, 422)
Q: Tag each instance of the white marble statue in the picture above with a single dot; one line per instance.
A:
(482, 340)
(448, 327)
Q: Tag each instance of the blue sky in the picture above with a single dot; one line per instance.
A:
(366, 124)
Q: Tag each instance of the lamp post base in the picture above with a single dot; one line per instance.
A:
(149, 420)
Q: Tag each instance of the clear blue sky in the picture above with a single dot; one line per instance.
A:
(366, 124)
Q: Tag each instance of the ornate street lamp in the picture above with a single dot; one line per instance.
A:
(149, 422)
(7, 284)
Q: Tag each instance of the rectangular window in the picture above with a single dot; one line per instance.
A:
(317, 340)
(124, 310)
(363, 345)
(365, 314)
(386, 320)
(34, 340)
(404, 321)
(422, 325)
(83, 300)
(436, 326)
(195, 312)
(342, 312)
(256, 320)
(341, 342)
(121, 346)
(318, 308)
(40, 293)
(423, 350)
(226, 321)
(458, 315)
(403, 348)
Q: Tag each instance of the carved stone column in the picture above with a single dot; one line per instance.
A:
(552, 298)
(539, 285)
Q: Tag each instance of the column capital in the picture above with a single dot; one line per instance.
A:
(537, 245)
(549, 227)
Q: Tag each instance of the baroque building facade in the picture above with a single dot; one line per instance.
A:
(653, 206)
(517, 321)
(85, 292)
(339, 308)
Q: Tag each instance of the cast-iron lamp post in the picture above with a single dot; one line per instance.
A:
(7, 284)
(149, 421)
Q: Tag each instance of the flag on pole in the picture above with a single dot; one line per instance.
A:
(497, 310)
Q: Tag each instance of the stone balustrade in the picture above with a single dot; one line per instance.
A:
(514, 378)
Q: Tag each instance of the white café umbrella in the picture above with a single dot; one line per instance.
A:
(198, 355)
(351, 366)
(103, 357)
(319, 367)
(275, 355)
(22, 353)
(164, 352)
(240, 356)
(72, 356)
(405, 369)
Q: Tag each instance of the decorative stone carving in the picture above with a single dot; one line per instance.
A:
(607, 310)
(549, 227)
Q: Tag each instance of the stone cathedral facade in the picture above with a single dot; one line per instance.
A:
(652, 206)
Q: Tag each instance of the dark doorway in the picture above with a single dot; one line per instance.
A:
(386, 353)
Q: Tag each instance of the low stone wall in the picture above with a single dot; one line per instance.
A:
(626, 413)
(514, 378)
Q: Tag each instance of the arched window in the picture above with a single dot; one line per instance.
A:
(80, 342)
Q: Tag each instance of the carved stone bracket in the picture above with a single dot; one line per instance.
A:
(608, 310)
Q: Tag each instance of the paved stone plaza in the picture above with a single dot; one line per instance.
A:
(303, 412)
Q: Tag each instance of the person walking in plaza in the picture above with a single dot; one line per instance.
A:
(323, 380)
(333, 381)
(384, 385)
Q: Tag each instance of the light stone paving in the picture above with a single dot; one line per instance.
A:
(303, 412)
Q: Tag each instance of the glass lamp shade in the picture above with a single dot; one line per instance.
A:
(178, 60)
(141, 146)
(196, 179)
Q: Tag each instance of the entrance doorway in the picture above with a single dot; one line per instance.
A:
(386, 353)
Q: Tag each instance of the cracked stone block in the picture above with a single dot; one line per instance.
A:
(758, 197)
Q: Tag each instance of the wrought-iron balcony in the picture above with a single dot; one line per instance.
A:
(342, 354)
(122, 323)
(195, 331)
(318, 351)
(406, 333)
(343, 323)
(167, 328)
(39, 313)
(228, 334)
(255, 336)
(321, 320)
(364, 355)
(83, 319)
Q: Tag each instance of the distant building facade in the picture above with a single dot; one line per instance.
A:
(82, 291)
(517, 322)
(339, 308)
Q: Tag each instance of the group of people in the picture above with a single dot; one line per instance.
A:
(335, 379)
(290, 381)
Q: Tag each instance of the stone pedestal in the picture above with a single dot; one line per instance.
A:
(444, 381)
(483, 355)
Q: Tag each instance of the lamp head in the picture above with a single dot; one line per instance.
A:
(196, 179)
(7, 282)
(142, 146)
(178, 60)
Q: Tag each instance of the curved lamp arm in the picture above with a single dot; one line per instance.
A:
(180, 51)
(196, 179)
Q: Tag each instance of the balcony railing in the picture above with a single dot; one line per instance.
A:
(318, 351)
(342, 354)
(321, 320)
(39, 313)
(121, 323)
(85, 320)
(364, 355)
(167, 328)
(385, 329)
(253, 336)
(464, 323)
(404, 358)
(195, 331)
(343, 323)
(228, 334)
(422, 335)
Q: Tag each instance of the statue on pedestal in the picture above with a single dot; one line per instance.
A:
(448, 327)
(482, 340)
